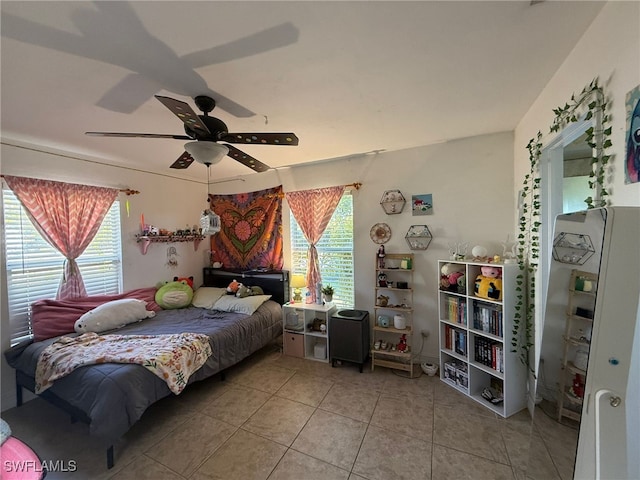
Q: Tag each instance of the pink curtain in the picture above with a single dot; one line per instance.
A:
(312, 210)
(68, 216)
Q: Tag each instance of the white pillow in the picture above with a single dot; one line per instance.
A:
(248, 305)
(110, 315)
(206, 297)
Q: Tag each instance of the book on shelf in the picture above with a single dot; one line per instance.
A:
(487, 318)
(489, 353)
(455, 340)
(457, 310)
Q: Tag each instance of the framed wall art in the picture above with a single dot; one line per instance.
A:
(632, 158)
(422, 204)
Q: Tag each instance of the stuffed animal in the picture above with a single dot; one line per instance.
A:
(382, 279)
(383, 300)
(114, 314)
(233, 287)
(489, 283)
(244, 291)
(188, 281)
(450, 278)
(174, 295)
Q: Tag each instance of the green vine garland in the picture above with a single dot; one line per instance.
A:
(528, 253)
(592, 97)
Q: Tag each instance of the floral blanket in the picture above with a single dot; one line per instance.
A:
(171, 357)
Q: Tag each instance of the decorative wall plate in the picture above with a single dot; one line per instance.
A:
(380, 233)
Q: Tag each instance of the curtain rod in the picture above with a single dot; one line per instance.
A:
(128, 191)
(355, 186)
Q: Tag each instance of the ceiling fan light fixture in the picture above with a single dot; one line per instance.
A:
(207, 153)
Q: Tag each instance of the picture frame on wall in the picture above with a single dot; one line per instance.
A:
(422, 204)
(632, 137)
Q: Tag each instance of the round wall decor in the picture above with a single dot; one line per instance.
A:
(380, 233)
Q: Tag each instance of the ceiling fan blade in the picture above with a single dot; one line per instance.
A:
(246, 159)
(185, 113)
(183, 161)
(143, 135)
(262, 138)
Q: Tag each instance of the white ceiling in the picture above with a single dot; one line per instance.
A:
(346, 77)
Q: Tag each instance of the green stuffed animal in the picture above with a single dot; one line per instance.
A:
(177, 294)
(248, 291)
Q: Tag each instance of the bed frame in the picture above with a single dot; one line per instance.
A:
(275, 282)
(272, 282)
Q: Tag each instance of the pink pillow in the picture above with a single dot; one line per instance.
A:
(19, 462)
(52, 318)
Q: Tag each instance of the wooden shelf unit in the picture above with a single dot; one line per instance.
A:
(576, 338)
(400, 302)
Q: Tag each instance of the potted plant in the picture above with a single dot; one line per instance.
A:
(327, 293)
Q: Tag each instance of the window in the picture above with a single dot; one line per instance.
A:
(335, 252)
(34, 267)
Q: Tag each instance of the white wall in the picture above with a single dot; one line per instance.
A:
(470, 180)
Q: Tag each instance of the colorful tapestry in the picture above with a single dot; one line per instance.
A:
(251, 230)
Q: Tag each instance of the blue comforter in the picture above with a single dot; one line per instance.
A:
(114, 396)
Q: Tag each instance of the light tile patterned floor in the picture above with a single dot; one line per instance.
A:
(283, 418)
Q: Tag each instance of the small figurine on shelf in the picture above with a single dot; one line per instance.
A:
(383, 300)
(382, 279)
(381, 255)
(577, 388)
(402, 345)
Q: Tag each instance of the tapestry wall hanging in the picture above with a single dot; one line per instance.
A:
(251, 230)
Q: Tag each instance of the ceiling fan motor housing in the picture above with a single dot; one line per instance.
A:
(217, 129)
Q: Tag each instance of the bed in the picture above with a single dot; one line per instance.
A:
(111, 397)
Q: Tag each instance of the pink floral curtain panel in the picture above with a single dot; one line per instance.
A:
(312, 210)
(68, 216)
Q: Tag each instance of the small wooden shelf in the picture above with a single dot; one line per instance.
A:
(393, 330)
(146, 240)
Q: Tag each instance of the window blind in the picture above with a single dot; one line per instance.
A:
(34, 268)
(335, 252)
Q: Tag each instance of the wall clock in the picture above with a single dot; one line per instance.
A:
(380, 233)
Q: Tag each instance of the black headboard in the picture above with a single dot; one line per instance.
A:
(273, 282)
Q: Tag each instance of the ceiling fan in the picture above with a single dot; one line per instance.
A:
(205, 133)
